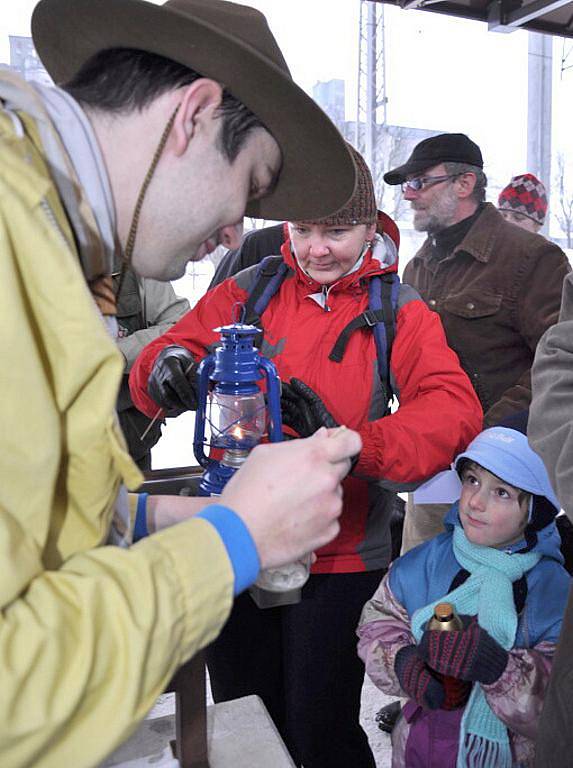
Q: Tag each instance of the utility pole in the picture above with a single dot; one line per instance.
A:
(371, 81)
(539, 106)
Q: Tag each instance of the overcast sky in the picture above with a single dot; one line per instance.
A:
(442, 73)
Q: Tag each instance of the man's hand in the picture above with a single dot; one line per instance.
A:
(173, 381)
(289, 494)
(303, 410)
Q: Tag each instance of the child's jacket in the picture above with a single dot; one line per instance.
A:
(427, 738)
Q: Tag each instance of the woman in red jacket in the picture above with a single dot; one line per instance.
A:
(301, 659)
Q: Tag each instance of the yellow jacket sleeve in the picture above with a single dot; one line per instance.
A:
(86, 650)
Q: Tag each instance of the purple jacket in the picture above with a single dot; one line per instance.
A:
(429, 739)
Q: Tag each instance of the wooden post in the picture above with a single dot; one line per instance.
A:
(189, 684)
(191, 714)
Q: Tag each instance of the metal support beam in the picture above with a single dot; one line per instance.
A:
(539, 109)
(496, 18)
(501, 20)
(371, 101)
(371, 87)
(534, 10)
(409, 5)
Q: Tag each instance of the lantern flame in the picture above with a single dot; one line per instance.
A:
(237, 432)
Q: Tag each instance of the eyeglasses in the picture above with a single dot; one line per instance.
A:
(425, 182)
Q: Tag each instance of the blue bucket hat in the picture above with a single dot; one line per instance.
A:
(506, 453)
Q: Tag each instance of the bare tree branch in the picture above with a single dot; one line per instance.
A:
(564, 213)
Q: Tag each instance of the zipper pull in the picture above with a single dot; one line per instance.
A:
(325, 298)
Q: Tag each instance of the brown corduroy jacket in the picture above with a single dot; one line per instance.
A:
(496, 293)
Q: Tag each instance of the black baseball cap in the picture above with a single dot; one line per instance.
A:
(445, 148)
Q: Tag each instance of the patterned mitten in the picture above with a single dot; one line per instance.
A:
(417, 680)
(468, 654)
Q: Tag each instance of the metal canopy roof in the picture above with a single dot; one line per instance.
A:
(554, 17)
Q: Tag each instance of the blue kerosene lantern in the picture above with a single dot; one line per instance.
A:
(234, 408)
(237, 415)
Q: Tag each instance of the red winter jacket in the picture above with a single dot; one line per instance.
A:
(439, 412)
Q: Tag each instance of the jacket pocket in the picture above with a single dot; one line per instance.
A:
(473, 305)
(473, 321)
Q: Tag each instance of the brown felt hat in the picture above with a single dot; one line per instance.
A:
(233, 45)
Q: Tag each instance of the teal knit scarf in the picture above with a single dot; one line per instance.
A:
(488, 592)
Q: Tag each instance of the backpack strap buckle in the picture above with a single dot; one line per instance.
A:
(370, 317)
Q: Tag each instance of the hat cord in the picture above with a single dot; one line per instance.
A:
(130, 244)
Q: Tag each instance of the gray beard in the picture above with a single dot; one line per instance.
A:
(440, 215)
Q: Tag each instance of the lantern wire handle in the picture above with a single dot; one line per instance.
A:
(237, 312)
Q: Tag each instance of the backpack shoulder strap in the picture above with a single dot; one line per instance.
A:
(383, 294)
(383, 297)
(269, 277)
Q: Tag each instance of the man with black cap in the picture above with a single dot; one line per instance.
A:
(496, 287)
(143, 152)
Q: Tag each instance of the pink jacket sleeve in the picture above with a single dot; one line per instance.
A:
(383, 629)
(517, 697)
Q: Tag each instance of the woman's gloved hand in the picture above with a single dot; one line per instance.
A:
(303, 410)
(416, 678)
(173, 382)
(467, 654)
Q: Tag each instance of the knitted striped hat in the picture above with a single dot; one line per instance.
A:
(361, 208)
(526, 195)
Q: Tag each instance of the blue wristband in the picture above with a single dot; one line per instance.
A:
(140, 530)
(238, 543)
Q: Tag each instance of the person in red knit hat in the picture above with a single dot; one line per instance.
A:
(524, 202)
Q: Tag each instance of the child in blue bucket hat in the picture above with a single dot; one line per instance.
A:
(474, 694)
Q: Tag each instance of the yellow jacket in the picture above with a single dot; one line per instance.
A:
(89, 634)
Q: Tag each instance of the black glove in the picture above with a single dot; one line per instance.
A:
(303, 410)
(173, 382)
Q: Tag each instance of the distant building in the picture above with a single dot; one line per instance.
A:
(330, 97)
(25, 60)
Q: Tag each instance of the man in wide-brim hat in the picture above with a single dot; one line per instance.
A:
(305, 170)
(168, 122)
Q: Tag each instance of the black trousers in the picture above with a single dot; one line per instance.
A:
(302, 661)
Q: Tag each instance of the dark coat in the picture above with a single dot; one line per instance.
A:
(497, 293)
(255, 246)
